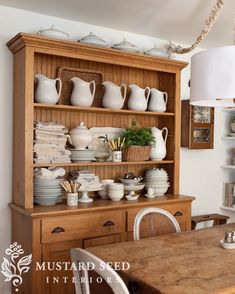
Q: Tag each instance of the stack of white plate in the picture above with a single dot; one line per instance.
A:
(47, 191)
(86, 155)
(157, 179)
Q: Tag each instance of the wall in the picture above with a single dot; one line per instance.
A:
(200, 170)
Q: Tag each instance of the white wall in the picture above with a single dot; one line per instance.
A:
(200, 169)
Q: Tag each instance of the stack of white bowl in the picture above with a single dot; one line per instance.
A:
(86, 155)
(115, 191)
(104, 193)
(47, 191)
(157, 179)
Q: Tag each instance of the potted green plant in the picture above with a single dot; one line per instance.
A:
(137, 144)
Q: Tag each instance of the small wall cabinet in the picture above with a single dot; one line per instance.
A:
(197, 126)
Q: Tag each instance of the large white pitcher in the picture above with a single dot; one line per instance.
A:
(82, 94)
(113, 97)
(46, 91)
(158, 100)
(139, 97)
(158, 152)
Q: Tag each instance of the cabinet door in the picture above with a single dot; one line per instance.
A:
(55, 281)
(101, 241)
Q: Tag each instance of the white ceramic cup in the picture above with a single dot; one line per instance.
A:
(117, 156)
(72, 199)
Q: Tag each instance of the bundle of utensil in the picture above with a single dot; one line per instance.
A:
(70, 186)
(117, 144)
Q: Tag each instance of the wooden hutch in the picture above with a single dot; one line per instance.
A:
(48, 232)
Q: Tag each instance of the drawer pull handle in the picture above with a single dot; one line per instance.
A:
(178, 213)
(109, 223)
(57, 230)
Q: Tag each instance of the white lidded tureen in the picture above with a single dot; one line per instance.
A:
(156, 52)
(93, 39)
(81, 137)
(53, 33)
(126, 46)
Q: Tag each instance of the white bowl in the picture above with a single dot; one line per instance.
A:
(103, 194)
(115, 186)
(136, 187)
(226, 245)
(115, 193)
(130, 181)
(160, 191)
(132, 198)
(116, 197)
(107, 181)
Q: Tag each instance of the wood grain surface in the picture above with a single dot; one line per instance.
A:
(190, 262)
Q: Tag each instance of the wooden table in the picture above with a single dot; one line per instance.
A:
(190, 262)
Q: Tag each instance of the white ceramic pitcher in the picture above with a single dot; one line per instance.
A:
(139, 97)
(158, 152)
(158, 100)
(82, 94)
(113, 97)
(46, 91)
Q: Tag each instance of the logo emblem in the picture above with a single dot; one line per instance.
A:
(15, 266)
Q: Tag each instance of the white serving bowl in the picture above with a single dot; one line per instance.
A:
(136, 187)
(160, 191)
(103, 194)
(116, 196)
(115, 187)
(130, 181)
(132, 198)
(107, 181)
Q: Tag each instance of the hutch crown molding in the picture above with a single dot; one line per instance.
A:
(49, 232)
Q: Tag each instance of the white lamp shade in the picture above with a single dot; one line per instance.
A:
(213, 77)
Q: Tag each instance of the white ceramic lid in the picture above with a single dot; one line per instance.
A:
(156, 52)
(125, 45)
(52, 32)
(93, 39)
(79, 128)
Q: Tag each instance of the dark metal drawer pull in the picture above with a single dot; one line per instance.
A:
(109, 223)
(57, 230)
(178, 213)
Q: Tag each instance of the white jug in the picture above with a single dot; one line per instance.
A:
(139, 97)
(158, 101)
(82, 94)
(113, 95)
(46, 91)
(158, 152)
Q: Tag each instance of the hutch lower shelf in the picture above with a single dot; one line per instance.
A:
(50, 232)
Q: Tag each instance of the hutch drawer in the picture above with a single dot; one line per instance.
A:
(181, 211)
(76, 227)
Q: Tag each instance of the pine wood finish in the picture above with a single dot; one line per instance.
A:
(50, 232)
(188, 125)
(196, 263)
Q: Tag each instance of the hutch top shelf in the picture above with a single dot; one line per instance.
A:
(72, 49)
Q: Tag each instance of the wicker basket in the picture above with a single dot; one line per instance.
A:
(137, 153)
(65, 73)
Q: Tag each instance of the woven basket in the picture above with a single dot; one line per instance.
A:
(137, 153)
(66, 73)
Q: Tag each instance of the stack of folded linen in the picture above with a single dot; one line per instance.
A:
(49, 143)
(88, 180)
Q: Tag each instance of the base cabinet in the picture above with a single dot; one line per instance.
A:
(54, 235)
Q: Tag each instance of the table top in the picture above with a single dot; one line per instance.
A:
(188, 262)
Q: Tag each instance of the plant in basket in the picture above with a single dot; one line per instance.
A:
(138, 143)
